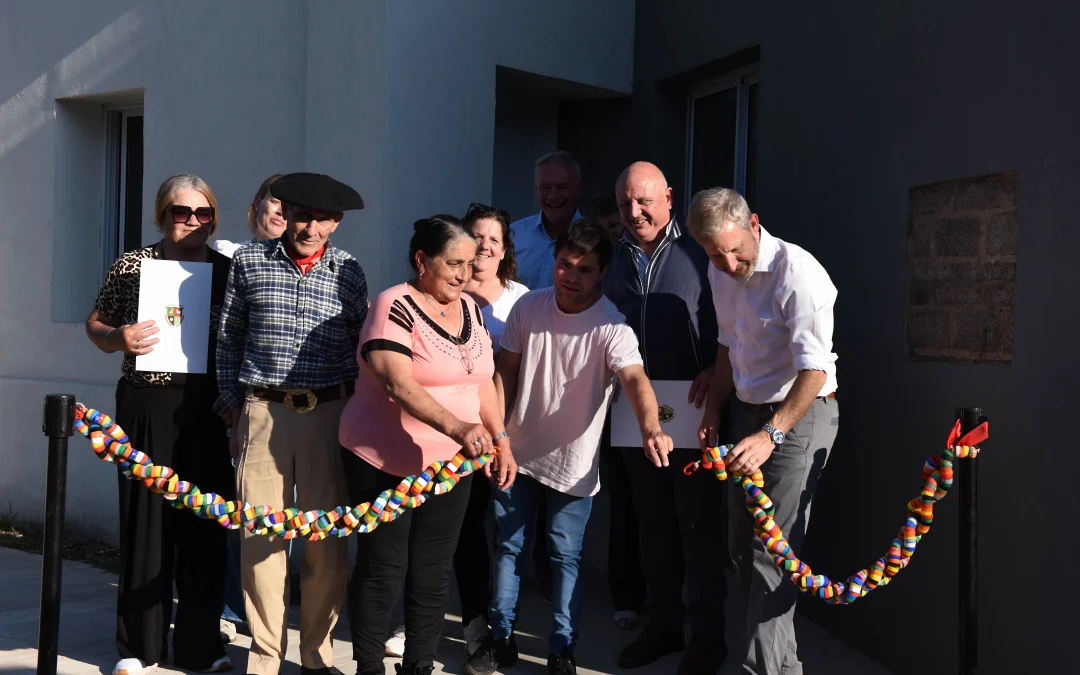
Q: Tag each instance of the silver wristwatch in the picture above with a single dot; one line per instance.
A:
(778, 436)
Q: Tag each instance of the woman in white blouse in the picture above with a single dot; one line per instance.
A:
(494, 282)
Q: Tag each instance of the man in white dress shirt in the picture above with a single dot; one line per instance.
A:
(558, 188)
(774, 308)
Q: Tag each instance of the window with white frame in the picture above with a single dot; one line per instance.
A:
(122, 227)
(721, 144)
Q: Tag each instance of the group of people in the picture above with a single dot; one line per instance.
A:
(510, 339)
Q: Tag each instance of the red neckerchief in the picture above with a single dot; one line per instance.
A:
(305, 263)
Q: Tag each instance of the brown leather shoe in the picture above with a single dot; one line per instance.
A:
(654, 643)
(703, 656)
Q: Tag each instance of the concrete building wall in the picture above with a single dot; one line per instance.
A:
(213, 108)
(526, 127)
(860, 103)
(398, 100)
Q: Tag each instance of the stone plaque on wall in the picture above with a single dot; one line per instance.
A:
(962, 269)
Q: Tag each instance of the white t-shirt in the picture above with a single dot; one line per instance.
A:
(568, 363)
(495, 314)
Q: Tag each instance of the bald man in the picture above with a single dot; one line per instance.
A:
(658, 278)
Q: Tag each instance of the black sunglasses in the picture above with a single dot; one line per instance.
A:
(477, 207)
(181, 214)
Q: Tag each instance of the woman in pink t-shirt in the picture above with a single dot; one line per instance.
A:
(424, 393)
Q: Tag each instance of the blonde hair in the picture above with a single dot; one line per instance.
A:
(182, 181)
(713, 208)
(264, 190)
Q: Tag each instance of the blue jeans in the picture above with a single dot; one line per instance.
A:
(233, 611)
(515, 518)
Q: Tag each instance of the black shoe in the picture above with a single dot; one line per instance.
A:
(329, 670)
(492, 655)
(415, 669)
(653, 643)
(562, 664)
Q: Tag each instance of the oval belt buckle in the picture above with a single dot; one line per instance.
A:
(309, 398)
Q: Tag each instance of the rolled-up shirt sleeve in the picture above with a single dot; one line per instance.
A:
(721, 338)
(807, 297)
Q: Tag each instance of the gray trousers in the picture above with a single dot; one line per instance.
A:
(791, 478)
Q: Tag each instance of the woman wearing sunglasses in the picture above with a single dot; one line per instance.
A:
(169, 417)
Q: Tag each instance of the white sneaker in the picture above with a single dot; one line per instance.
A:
(395, 646)
(475, 633)
(228, 631)
(129, 667)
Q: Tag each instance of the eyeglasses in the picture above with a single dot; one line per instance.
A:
(182, 214)
(466, 360)
(477, 207)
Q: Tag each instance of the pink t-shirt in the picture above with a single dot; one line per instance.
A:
(373, 425)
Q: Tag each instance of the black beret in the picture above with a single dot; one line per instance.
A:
(316, 191)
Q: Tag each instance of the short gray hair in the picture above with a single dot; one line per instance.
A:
(561, 157)
(713, 208)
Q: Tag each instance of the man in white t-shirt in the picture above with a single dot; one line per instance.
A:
(562, 348)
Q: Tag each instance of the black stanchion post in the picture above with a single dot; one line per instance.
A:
(58, 423)
(969, 549)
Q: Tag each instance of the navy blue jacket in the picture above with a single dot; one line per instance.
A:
(676, 323)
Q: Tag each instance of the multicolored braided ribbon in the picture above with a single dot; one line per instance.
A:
(111, 444)
(937, 479)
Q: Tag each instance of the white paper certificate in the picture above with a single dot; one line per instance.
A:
(177, 296)
(678, 419)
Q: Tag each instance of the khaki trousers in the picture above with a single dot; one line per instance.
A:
(279, 449)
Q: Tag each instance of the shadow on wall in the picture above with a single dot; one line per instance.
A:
(78, 73)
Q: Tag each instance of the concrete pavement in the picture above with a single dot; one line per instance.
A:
(88, 625)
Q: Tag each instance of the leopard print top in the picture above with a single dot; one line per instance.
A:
(118, 304)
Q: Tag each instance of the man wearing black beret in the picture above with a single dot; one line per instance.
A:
(286, 363)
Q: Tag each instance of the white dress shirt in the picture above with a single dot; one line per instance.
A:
(534, 251)
(777, 322)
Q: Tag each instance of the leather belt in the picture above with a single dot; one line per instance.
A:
(301, 400)
(758, 407)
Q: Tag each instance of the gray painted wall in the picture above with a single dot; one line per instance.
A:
(860, 102)
(525, 129)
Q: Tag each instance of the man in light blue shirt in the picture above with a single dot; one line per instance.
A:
(558, 188)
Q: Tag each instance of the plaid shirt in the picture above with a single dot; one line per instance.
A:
(283, 329)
